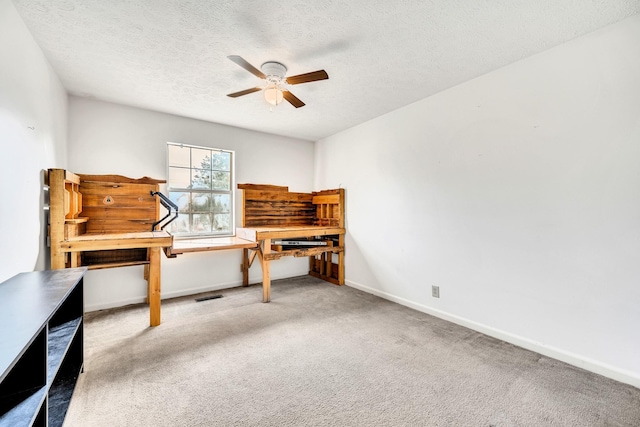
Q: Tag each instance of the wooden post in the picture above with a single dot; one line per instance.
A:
(266, 273)
(146, 275)
(329, 260)
(56, 217)
(245, 267)
(153, 292)
(341, 260)
(341, 238)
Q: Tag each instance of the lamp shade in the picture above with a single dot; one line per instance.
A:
(273, 95)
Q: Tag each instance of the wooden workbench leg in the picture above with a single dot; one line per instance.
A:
(153, 292)
(146, 275)
(245, 267)
(341, 260)
(266, 273)
(75, 259)
(56, 217)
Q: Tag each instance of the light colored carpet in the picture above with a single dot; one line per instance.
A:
(323, 355)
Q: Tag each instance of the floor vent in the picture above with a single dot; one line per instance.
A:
(208, 298)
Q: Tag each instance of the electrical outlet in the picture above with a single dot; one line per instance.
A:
(435, 291)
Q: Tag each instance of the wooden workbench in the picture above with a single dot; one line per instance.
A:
(115, 229)
(272, 212)
(106, 221)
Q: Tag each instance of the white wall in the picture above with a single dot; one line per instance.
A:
(33, 130)
(518, 193)
(107, 138)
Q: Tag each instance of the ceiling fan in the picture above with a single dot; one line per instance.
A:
(274, 74)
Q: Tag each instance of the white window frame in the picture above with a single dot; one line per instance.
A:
(231, 193)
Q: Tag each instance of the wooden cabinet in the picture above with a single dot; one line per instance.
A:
(41, 345)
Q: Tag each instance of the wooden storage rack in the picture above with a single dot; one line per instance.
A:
(115, 229)
(273, 212)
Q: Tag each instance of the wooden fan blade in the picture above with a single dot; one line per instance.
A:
(293, 100)
(244, 92)
(244, 64)
(308, 77)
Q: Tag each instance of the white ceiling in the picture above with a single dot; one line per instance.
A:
(171, 55)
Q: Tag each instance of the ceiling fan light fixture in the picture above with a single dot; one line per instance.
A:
(277, 88)
(273, 95)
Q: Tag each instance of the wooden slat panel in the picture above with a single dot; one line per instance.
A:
(116, 189)
(119, 226)
(97, 213)
(119, 179)
(293, 215)
(262, 187)
(93, 200)
(256, 213)
(330, 199)
(116, 204)
(270, 206)
(263, 208)
(278, 222)
(279, 196)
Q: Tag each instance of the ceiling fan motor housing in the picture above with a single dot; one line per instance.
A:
(274, 71)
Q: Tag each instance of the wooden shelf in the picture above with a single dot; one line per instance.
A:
(80, 220)
(303, 252)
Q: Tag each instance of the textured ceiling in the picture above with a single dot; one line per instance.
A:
(171, 55)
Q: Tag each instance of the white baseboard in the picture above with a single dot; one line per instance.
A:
(179, 293)
(586, 363)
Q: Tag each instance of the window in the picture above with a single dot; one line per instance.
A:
(201, 184)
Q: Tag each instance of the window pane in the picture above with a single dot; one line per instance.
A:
(181, 199)
(221, 161)
(179, 178)
(201, 223)
(222, 222)
(200, 159)
(221, 203)
(201, 202)
(179, 156)
(201, 179)
(180, 224)
(202, 173)
(221, 181)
